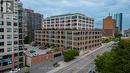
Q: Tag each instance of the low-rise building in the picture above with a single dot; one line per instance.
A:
(69, 39)
(127, 33)
(69, 21)
(34, 55)
(69, 31)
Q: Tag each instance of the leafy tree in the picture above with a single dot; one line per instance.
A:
(56, 49)
(116, 61)
(27, 40)
(106, 41)
(70, 55)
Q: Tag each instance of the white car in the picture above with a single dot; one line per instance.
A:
(14, 70)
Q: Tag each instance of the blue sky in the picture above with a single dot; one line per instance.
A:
(97, 9)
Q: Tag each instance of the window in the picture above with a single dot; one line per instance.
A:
(15, 42)
(1, 36)
(1, 23)
(1, 43)
(15, 36)
(15, 24)
(9, 36)
(74, 17)
(8, 23)
(8, 16)
(9, 43)
(1, 60)
(1, 29)
(9, 49)
(1, 50)
(15, 30)
(15, 48)
(9, 29)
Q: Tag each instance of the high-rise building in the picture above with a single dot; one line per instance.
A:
(11, 51)
(109, 26)
(69, 31)
(118, 17)
(31, 22)
(37, 21)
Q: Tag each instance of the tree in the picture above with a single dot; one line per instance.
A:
(27, 40)
(56, 49)
(116, 61)
(70, 55)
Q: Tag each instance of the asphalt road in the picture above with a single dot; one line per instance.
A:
(83, 64)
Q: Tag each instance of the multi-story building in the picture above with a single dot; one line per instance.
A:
(34, 55)
(27, 22)
(109, 27)
(31, 22)
(37, 21)
(69, 21)
(127, 33)
(68, 39)
(69, 31)
(118, 17)
(11, 51)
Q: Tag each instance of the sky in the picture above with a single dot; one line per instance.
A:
(97, 9)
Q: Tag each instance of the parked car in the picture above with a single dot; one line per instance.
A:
(14, 70)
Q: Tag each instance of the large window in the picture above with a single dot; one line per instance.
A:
(1, 36)
(1, 23)
(1, 60)
(9, 43)
(8, 23)
(15, 30)
(8, 16)
(9, 36)
(6, 60)
(1, 50)
(15, 24)
(15, 42)
(9, 30)
(15, 48)
(9, 49)
(1, 43)
(1, 29)
(15, 36)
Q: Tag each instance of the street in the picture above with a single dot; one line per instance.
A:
(83, 63)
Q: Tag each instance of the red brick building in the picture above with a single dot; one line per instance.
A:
(34, 55)
(109, 26)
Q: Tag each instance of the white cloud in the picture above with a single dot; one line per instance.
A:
(97, 9)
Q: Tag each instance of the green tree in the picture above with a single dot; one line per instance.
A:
(116, 61)
(27, 40)
(56, 49)
(70, 54)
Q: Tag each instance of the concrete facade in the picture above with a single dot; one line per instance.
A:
(69, 31)
(11, 41)
(31, 22)
(69, 21)
(69, 39)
